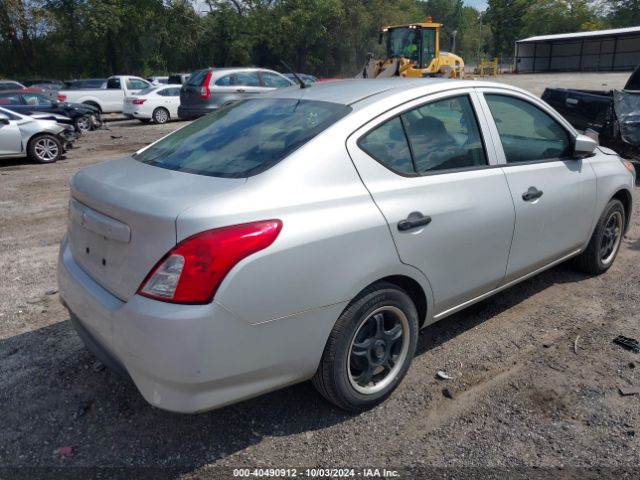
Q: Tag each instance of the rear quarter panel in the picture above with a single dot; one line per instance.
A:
(334, 241)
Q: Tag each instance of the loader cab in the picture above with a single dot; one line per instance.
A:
(418, 43)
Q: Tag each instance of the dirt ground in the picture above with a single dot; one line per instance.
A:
(535, 374)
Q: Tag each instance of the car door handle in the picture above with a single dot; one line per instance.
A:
(414, 220)
(532, 194)
(572, 101)
(240, 90)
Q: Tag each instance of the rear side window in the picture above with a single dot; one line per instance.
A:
(244, 138)
(527, 133)
(444, 135)
(226, 81)
(438, 136)
(248, 79)
(388, 145)
(113, 84)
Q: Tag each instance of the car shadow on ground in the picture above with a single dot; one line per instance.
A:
(53, 397)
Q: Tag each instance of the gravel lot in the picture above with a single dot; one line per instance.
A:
(522, 397)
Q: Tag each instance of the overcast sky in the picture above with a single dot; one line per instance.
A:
(479, 4)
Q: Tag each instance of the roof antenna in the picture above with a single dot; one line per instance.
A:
(295, 75)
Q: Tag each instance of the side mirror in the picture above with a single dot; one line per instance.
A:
(584, 146)
(4, 120)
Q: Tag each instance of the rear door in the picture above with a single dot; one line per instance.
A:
(170, 99)
(435, 180)
(554, 194)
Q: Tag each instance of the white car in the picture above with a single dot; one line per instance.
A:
(159, 104)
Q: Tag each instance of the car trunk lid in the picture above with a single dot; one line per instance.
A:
(122, 218)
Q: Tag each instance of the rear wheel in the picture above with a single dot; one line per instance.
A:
(369, 349)
(605, 241)
(44, 149)
(160, 115)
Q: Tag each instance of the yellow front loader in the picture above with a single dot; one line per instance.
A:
(413, 50)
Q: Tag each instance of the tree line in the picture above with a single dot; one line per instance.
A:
(84, 38)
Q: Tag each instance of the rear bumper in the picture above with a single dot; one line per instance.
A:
(192, 358)
(189, 112)
(132, 113)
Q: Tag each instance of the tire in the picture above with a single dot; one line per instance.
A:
(44, 148)
(360, 349)
(93, 104)
(83, 123)
(161, 115)
(96, 121)
(605, 241)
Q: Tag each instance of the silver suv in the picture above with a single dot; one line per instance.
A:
(208, 89)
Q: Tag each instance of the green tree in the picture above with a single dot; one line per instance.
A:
(624, 13)
(506, 21)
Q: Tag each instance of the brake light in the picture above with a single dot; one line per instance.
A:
(204, 89)
(195, 268)
(62, 98)
(139, 101)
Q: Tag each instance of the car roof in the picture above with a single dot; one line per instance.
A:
(350, 92)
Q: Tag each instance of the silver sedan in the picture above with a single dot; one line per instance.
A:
(309, 234)
(41, 137)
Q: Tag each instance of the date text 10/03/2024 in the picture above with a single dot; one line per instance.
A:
(316, 472)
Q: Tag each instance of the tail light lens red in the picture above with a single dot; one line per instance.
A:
(139, 101)
(204, 89)
(62, 98)
(195, 268)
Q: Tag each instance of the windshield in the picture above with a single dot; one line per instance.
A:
(404, 42)
(243, 139)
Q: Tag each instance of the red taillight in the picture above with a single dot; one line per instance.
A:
(204, 89)
(195, 268)
(139, 101)
(62, 98)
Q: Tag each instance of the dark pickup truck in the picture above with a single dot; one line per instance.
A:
(614, 114)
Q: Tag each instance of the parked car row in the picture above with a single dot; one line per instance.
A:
(52, 113)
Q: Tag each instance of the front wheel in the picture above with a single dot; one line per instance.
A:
(605, 241)
(44, 149)
(369, 349)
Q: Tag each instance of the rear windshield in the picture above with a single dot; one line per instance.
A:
(197, 78)
(243, 139)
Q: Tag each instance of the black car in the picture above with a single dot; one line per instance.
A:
(613, 114)
(84, 117)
